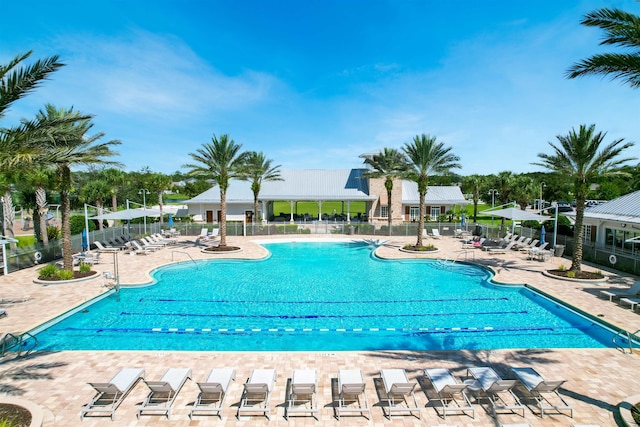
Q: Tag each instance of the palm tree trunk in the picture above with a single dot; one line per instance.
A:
(421, 220)
(255, 208)
(223, 218)
(578, 235)
(99, 206)
(160, 205)
(8, 215)
(65, 177)
(114, 204)
(41, 202)
(389, 211)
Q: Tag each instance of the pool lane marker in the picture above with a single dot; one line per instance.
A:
(343, 330)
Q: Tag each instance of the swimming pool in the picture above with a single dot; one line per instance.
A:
(322, 297)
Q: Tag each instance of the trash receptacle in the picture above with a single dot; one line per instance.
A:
(352, 230)
(559, 251)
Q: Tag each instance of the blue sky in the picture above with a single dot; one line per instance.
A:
(314, 84)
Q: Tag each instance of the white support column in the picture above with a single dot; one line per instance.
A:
(264, 212)
(291, 203)
(348, 211)
(319, 210)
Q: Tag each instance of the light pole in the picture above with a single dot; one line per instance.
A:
(541, 204)
(144, 193)
(493, 193)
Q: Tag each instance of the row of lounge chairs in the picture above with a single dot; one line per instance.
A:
(349, 391)
(142, 246)
(629, 296)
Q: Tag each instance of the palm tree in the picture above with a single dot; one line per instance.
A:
(474, 184)
(8, 208)
(258, 169)
(580, 157)
(41, 178)
(388, 164)
(220, 160)
(426, 156)
(17, 82)
(71, 146)
(96, 191)
(621, 29)
(159, 182)
(115, 178)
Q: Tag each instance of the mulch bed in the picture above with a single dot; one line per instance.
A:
(16, 415)
(584, 275)
(222, 248)
(420, 248)
(76, 275)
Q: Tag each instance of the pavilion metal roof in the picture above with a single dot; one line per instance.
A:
(307, 184)
(622, 209)
(446, 195)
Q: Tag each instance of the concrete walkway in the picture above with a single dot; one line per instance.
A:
(597, 379)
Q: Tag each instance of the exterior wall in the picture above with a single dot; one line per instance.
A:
(376, 187)
(232, 209)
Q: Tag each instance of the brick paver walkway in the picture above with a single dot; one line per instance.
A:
(597, 379)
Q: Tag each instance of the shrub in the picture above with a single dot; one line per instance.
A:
(65, 274)
(571, 274)
(48, 271)
(53, 232)
(77, 224)
(84, 267)
(562, 267)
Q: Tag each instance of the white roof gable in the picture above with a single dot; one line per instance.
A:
(622, 209)
(446, 195)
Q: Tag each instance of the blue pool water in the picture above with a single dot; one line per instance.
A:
(322, 297)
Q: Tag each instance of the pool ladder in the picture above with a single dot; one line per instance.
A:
(187, 254)
(18, 343)
(459, 257)
(631, 338)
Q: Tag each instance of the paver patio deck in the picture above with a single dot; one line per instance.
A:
(597, 379)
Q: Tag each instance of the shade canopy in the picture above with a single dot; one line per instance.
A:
(128, 214)
(516, 214)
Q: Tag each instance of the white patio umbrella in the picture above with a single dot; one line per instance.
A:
(516, 215)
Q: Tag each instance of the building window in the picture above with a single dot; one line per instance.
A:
(414, 213)
(435, 213)
(586, 236)
(384, 211)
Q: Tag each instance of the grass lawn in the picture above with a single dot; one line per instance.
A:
(311, 208)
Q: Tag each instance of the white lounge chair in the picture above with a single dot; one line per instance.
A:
(256, 397)
(633, 302)
(494, 387)
(633, 291)
(163, 393)
(398, 389)
(213, 392)
(111, 394)
(435, 233)
(302, 393)
(451, 394)
(214, 233)
(149, 244)
(539, 389)
(352, 396)
(204, 233)
(424, 233)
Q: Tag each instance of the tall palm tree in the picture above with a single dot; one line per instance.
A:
(8, 208)
(159, 182)
(388, 164)
(96, 191)
(220, 160)
(474, 184)
(116, 179)
(71, 146)
(621, 29)
(427, 156)
(258, 169)
(580, 157)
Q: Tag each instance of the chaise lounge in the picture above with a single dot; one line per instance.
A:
(633, 291)
(302, 393)
(163, 392)
(451, 394)
(399, 392)
(494, 387)
(539, 389)
(213, 392)
(256, 397)
(111, 394)
(352, 396)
